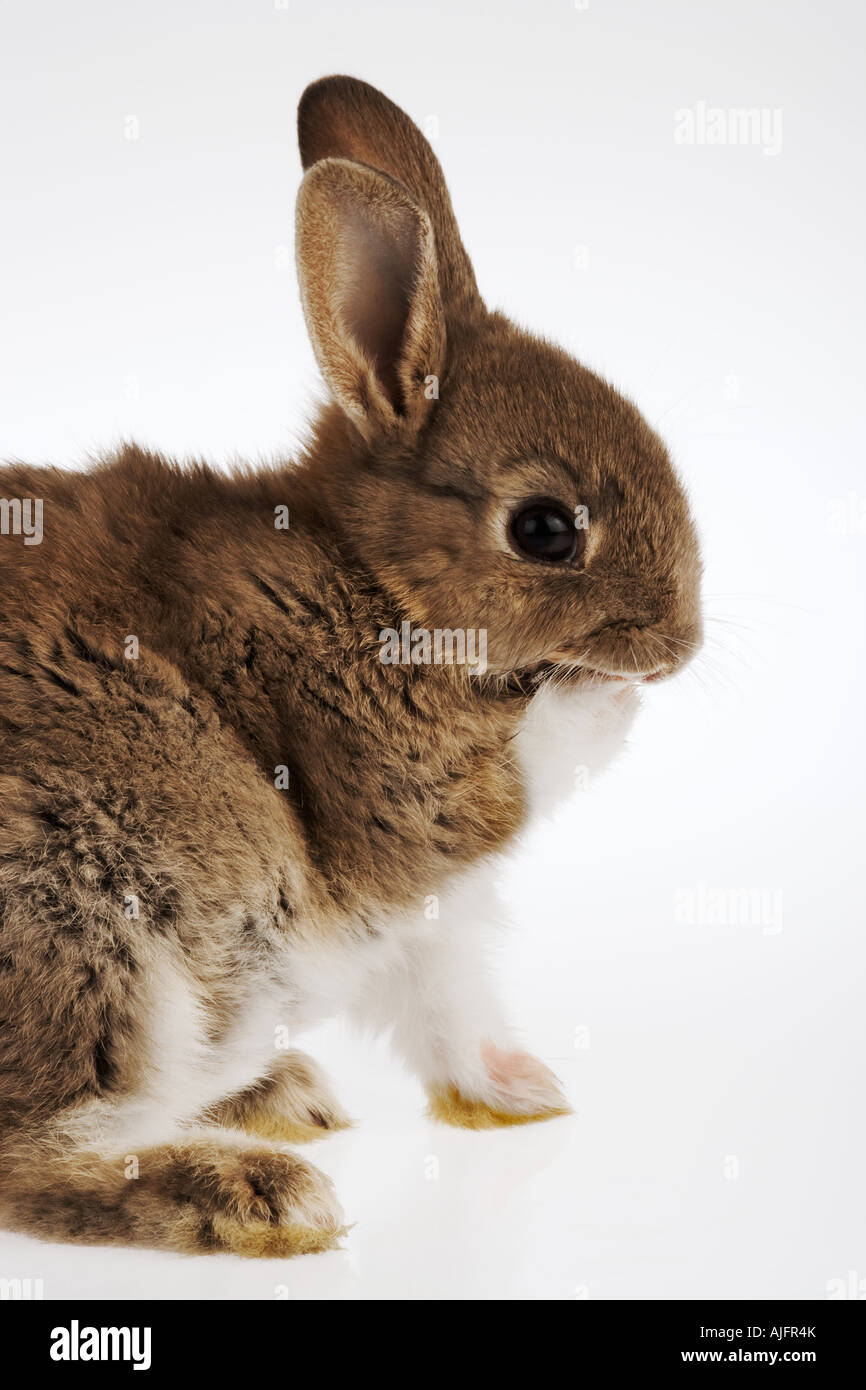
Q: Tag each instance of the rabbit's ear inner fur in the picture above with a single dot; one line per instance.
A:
(370, 290)
(344, 118)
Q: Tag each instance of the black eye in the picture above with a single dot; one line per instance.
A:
(545, 531)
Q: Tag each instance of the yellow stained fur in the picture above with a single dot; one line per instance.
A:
(286, 1129)
(262, 1240)
(452, 1108)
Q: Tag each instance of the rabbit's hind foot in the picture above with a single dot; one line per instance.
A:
(208, 1193)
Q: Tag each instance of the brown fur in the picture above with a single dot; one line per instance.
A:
(196, 1197)
(154, 776)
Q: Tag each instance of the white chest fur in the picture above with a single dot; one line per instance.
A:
(569, 736)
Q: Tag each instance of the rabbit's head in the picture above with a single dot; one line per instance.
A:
(487, 479)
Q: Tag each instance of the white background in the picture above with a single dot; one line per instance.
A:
(148, 291)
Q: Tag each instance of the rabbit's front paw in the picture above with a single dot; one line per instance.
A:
(517, 1090)
(292, 1103)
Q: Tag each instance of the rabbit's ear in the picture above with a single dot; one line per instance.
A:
(370, 290)
(343, 118)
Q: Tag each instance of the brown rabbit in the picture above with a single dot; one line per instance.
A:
(247, 782)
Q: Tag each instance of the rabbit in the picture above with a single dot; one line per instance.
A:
(225, 816)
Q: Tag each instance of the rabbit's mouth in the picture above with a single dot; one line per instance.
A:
(563, 672)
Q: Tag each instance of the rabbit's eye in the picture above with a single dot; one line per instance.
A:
(545, 531)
